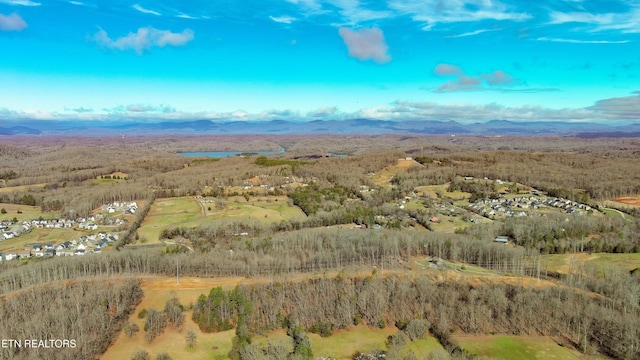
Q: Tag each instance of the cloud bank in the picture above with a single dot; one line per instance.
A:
(366, 44)
(612, 109)
(144, 39)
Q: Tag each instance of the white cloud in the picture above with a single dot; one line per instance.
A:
(311, 6)
(283, 19)
(366, 44)
(323, 112)
(613, 109)
(626, 22)
(12, 22)
(354, 14)
(471, 33)
(145, 11)
(144, 39)
(432, 12)
(627, 107)
(20, 2)
(574, 41)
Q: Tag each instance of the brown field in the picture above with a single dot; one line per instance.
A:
(387, 173)
(635, 201)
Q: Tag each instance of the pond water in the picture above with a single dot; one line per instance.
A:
(224, 154)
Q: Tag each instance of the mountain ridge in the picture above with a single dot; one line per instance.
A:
(360, 126)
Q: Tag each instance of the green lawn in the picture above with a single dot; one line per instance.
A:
(517, 347)
(168, 212)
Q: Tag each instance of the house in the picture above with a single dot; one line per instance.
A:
(502, 239)
(25, 254)
(2, 257)
(434, 219)
(48, 246)
(11, 256)
(49, 252)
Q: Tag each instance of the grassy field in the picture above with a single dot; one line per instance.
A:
(262, 208)
(624, 261)
(22, 187)
(169, 212)
(26, 212)
(343, 344)
(563, 263)
(516, 347)
(385, 175)
(156, 292)
(39, 236)
(433, 190)
(187, 211)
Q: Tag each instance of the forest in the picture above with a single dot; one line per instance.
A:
(383, 236)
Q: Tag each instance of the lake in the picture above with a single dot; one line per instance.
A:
(224, 154)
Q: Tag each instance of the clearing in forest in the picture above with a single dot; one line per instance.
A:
(436, 191)
(22, 188)
(635, 201)
(262, 208)
(516, 347)
(189, 211)
(168, 212)
(385, 175)
(565, 263)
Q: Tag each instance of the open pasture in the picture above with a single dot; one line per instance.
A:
(565, 263)
(265, 209)
(169, 212)
(517, 347)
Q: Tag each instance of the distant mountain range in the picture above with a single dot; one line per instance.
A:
(354, 126)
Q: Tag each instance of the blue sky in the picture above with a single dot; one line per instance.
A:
(463, 60)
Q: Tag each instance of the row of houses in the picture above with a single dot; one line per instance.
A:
(505, 207)
(125, 207)
(571, 207)
(86, 244)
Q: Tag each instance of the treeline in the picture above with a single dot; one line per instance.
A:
(479, 189)
(582, 175)
(130, 234)
(589, 323)
(88, 313)
(558, 234)
(309, 250)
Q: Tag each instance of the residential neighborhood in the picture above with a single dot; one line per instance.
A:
(86, 243)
